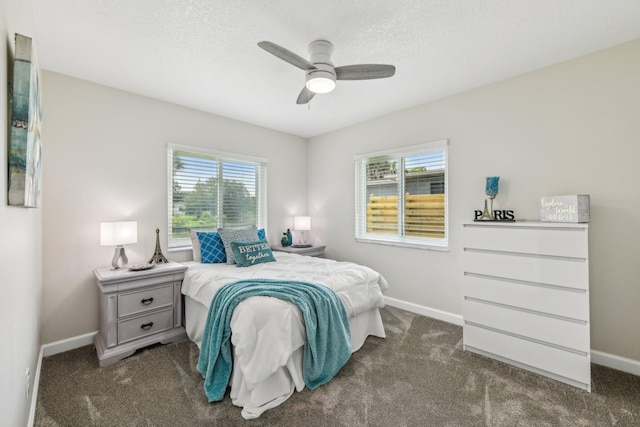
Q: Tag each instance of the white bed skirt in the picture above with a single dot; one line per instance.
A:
(281, 384)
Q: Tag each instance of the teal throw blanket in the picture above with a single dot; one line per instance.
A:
(328, 343)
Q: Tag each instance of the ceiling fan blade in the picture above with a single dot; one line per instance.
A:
(287, 55)
(364, 72)
(305, 96)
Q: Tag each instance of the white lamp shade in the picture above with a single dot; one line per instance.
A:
(118, 233)
(302, 223)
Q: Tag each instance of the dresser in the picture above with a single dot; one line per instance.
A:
(526, 297)
(137, 309)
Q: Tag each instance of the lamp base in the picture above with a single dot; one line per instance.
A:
(117, 256)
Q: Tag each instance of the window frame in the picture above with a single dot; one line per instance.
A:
(218, 156)
(360, 225)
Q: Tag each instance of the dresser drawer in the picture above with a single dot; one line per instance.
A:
(142, 326)
(567, 272)
(554, 241)
(145, 300)
(569, 303)
(566, 364)
(557, 332)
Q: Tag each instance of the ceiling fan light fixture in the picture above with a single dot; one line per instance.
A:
(320, 84)
(320, 74)
(321, 79)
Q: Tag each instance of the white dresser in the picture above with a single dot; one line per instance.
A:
(526, 296)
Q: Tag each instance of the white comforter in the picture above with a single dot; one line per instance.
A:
(265, 331)
(359, 287)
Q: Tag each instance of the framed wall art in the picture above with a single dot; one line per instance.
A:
(26, 114)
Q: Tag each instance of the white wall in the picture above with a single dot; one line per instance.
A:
(20, 251)
(572, 128)
(104, 159)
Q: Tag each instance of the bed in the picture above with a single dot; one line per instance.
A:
(268, 334)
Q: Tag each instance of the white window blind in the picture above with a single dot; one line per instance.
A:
(401, 196)
(207, 190)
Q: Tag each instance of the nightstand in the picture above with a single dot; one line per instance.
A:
(137, 309)
(317, 251)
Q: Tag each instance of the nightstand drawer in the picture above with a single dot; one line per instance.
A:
(145, 300)
(142, 326)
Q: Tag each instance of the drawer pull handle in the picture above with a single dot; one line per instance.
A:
(147, 301)
(146, 326)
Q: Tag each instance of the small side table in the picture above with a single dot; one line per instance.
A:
(317, 251)
(137, 309)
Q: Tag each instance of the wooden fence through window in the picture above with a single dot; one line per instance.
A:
(424, 215)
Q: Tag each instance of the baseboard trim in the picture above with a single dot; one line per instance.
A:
(425, 311)
(68, 344)
(34, 392)
(615, 362)
(623, 364)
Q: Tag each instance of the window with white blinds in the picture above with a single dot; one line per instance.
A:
(401, 196)
(207, 190)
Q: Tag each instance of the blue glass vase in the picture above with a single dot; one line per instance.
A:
(492, 191)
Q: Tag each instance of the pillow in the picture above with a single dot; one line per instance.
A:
(195, 244)
(211, 248)
(251, 253)
(242, 235)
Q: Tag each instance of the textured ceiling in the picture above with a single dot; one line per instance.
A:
(203, 53)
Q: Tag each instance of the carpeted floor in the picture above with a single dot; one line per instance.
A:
(418, 376)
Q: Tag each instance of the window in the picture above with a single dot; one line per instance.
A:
(207, 190)
(401, 196)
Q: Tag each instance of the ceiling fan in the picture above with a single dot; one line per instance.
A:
(321, 75)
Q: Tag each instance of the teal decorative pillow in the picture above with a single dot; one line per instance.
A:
(211, 247)
(244, 234)
(251, 253)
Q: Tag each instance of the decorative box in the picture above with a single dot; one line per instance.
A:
(575, 208)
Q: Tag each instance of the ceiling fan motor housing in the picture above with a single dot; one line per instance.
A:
(323, 78)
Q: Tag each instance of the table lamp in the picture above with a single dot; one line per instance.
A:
(118, 234)
(302, 224)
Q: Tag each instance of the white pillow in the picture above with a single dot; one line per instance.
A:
(195, 245)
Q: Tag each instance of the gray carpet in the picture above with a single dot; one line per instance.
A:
(418, 376)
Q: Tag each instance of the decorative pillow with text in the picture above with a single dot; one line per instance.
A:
(251, 253)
